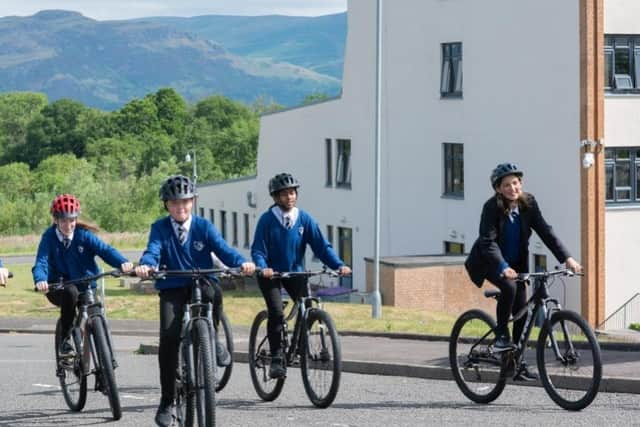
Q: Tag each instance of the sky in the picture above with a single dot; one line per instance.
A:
(125, 9)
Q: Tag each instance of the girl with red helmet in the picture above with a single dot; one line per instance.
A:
(67, 250)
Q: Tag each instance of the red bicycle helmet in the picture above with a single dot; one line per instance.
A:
(65, 206)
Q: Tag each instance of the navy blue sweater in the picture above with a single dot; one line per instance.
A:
(54, 262)
(164, 249)
(282, 249)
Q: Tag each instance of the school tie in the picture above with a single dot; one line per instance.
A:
(66, 242)
(287, 222)
(182, 234)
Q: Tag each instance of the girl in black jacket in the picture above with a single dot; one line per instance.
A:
(502, 249)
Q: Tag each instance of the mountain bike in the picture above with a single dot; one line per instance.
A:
(198, 377)
(567, 352)
(92, 344)
(313, 344)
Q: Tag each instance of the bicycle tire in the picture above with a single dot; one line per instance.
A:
(72, 381)
(205, 360)
(321, 358)
(268, 389)
(185, 385)
(476, 370)
(572, 382)
(105, 369)
(225, 335)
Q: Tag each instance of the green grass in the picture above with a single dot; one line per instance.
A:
(19, 300)
(27, 245)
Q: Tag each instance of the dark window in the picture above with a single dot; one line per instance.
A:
(622, 174)
(201, 212)
(451, 73)
(212, 216)
(246, 230)
(329, 160)
(234, 226)
(343, 166)
(539, 263)
(345, 252)
(223, 224)
(622, 63)
(453, 169)
(453, 248)
(330, 234)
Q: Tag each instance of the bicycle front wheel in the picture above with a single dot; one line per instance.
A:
(260, 359)
(569, 361)
(205, 380)
(69, 372)
(321, 358)
(225, 336)
(475, 368)
(105, 372)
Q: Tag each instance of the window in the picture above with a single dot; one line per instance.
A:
(246, 230)
(234, 228)
(622, 174)
(201, 212)
(212, 217)
(453, 248)
(453, 170)
(345, 252)
(451, 74)
(223, 224)
(329, 160)
(539, 263)
(622, 63)
(330, 234)
(343, 167)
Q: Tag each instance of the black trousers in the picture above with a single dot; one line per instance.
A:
(513, 296)
(296, 287)
(172, 303)
(65, 298)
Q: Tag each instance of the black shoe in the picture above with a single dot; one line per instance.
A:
(523, 374)
(66, 348)
(503, 343)
(277, 369)
(223, 358)
(164, 415)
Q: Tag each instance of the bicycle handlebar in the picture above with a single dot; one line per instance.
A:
(87, 279)
(194, 273)
(308, 273)
(547, 274)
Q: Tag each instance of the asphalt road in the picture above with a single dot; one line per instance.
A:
(30, 397)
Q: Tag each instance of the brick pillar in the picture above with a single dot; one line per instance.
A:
(592, 179)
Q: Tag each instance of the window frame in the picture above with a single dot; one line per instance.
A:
(448, 245)
(247, 237)
(451, 71)
(453, 165)
(343, 163)
(616, 45)
(612, 162)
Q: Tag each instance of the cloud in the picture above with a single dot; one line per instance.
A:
(125, 9)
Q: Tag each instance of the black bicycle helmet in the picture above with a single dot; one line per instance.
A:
(282, 181)
(502, 170)
(177, 187)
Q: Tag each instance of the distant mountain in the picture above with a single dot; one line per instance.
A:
(315, 43)
(107, 63)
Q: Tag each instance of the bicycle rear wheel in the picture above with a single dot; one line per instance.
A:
(69, 372)
(475, 368)
(205, 360)
(260, 359)
(572, 377)
(105, 372)
(225, 336)
(321, 358)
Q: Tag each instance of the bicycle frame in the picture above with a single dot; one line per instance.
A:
(299, 313)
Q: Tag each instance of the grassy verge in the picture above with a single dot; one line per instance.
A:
(19, 300)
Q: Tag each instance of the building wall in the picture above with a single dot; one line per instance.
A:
(621, 129)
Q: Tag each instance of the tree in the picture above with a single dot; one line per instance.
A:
(16, 181)
(17, 109)
(171, 111)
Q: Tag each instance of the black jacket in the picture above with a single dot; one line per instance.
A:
(486, 254)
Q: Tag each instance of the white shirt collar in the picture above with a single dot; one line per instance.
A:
(186, 224)
(280, 214)
(61, 236)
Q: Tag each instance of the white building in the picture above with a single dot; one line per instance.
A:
(466, 85)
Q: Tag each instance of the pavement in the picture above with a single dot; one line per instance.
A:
(407, 355)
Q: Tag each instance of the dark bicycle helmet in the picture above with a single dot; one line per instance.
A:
(502, 170)
(65, 206)
(282, 181)
(177, 187)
